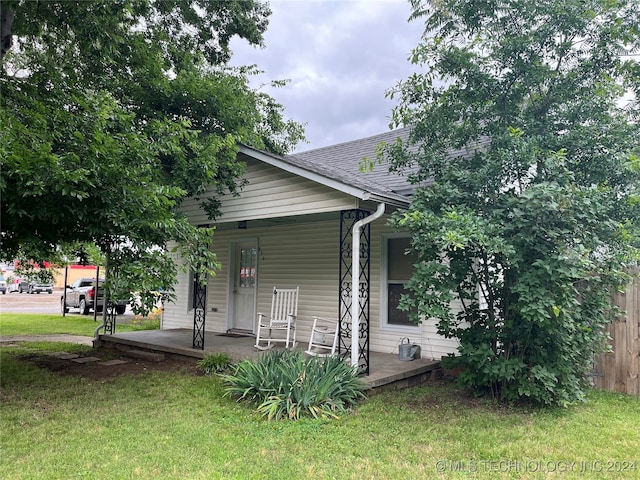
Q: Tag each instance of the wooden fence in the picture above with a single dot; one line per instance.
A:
(619, 371)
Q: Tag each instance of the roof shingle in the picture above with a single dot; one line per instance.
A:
(343, 163)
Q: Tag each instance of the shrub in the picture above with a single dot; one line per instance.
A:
(145, 324)
(214, 363)
(150, 322)
(285, 384)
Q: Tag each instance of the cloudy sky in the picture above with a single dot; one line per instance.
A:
(340, 57)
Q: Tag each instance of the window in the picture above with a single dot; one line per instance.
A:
(248, 261)
(397, 270)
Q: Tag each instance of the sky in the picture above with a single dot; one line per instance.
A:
(340, 56)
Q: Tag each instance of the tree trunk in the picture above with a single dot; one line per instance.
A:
(6, 21)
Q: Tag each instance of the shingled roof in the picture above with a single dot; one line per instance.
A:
(345, 160)
(340, 165)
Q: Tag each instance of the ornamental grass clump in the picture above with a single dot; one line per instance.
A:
(285, 384)
(214, 363)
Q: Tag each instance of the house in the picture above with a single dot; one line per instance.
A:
(293, 225)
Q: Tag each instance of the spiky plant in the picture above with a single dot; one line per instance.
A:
(214, 363)
(286, 384)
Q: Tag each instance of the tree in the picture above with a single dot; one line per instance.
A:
(524, 117)
(112, 114)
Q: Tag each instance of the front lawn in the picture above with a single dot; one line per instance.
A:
(179, 425)
(38, 324)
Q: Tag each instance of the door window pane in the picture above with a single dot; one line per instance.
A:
(247, 276)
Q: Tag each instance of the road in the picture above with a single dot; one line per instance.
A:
(39, 303)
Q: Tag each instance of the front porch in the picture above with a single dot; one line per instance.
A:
(386, 368)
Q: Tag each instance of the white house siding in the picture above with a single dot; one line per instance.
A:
(289, 256)
(304, 255)
(385, 338)
(178, 314)
(271, 193)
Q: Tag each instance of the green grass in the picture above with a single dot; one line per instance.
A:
(181, 426)
(37, 324)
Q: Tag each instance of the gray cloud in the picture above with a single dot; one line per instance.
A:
(340, 56)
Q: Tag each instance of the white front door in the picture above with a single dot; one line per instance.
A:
(244, 286)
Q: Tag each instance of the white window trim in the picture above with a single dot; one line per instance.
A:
(384, 294)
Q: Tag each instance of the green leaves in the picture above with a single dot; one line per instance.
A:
(531, 213)
(288, 385)
(214, 363)
(113, 113)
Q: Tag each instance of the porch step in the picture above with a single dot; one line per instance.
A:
(154, 357)
(389, 376)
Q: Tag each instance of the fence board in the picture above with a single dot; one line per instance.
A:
(619, 371)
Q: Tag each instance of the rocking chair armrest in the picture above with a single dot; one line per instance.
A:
(325, 319)
(283, 321)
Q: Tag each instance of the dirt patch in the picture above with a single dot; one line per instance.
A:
(100, 364)
(446, 394)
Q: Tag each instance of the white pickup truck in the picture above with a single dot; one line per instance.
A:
(81, 295)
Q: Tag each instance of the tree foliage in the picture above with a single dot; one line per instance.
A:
(524, 116)
(113, 113)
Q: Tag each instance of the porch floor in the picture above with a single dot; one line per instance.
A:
(386, 370)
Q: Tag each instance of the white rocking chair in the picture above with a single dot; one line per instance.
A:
(280, 326)
(324, 337)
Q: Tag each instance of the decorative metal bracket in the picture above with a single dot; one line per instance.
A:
(347, 220)
(110, 318)
(199, 313)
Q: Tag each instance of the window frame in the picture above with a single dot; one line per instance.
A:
(384, 288)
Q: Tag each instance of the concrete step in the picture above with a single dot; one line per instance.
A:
(154, 357)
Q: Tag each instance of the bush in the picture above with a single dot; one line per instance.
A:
(214, 363)
(150, 322)
(285, 384)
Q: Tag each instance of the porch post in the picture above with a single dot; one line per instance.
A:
(199, 308)
(199, 312)
(347, 220)
(354, 288)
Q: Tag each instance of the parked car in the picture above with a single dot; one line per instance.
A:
(24, 286)
(17, 284)
(3, 285)
(21, 285)
(82, 294)
(35, 287)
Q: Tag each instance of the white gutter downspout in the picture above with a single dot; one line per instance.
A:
(355, 281)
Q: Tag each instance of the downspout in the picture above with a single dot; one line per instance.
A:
(355, 281)
(96, 337)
